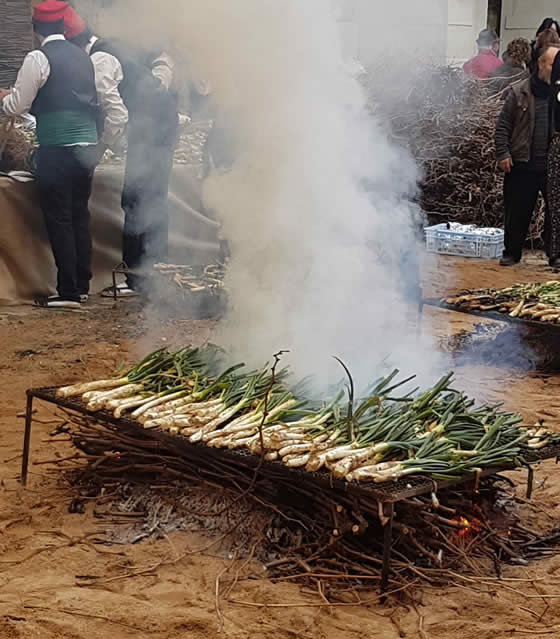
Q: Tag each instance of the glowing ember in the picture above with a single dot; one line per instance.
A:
(467, 526)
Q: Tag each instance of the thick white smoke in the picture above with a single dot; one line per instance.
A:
(316, 206)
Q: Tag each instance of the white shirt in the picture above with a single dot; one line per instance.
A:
(31, 77)
(108, 76)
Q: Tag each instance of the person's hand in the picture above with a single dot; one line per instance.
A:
(4, 93)
(506, 165)
(100, 149)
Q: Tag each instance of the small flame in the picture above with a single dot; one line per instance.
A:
(467, 526)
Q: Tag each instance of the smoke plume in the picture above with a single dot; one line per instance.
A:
(317, 206)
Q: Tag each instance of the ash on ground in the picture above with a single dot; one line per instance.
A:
(135, 513)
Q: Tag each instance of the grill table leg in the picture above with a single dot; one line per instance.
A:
(114, 286)
(530, 479)
(26, 438)
(387, 542)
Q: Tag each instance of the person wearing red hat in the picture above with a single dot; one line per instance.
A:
(139, 108)
(56, 84)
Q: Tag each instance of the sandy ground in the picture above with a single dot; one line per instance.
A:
(166, 588)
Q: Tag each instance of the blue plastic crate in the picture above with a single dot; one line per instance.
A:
(444, 241)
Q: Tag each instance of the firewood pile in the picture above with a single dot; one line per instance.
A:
(197, 291)
(16, 145)
(298, 530)
(447, 120)
(190, 150)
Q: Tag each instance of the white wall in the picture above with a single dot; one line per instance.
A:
(521, 19)
(368, 26)
(466, 18)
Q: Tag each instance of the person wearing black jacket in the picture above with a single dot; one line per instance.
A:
(522, 134)
(554, 161)
(547, 25)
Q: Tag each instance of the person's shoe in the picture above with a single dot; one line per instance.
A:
(84, 297)
(555, 263)
(122, 290)
(55, 301)
(508, 260)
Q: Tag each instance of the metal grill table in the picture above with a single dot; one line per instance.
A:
(492, 315)
(386, 494)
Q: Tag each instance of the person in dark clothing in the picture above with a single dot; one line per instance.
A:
(56, 84)
(514, 68)
(554, 157)
(141, 80)
(548, 23)
(547, 33)
(521, 150)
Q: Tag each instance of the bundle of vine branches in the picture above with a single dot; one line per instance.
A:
(447, 120)
(16, 146)
(317, 535)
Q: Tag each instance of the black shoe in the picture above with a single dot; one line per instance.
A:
(508, 260)
(555, 263)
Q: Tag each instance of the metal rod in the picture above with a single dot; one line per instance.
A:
(387, 543)
(121, 268)
(420, 318)
(530, 480)
(27, 437)
(114, 285)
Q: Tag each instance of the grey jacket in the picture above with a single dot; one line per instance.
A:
(516, 124)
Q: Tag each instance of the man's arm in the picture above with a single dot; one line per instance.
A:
(162, 69)
(504, 129)
(108, 76)
(32, 75)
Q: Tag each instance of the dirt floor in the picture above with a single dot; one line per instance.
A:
(167, 588)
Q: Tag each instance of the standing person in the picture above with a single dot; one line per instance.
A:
(522, 134)
(548, 32)
(548, 23)
(554, 158)
(56, 84)
(514, 69)
(486, 60)
(141, 82)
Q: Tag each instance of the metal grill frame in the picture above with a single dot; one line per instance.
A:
(386, 494)
(491, 315)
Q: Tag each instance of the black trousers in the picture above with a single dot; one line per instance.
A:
(521, 191)
(64, 175)
(151, 143)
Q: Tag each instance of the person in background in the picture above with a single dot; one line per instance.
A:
(554, 156)
(522, 133)
(135, 92)
(549, 29)
(487, 59)
(514, 69)
(548, 23)
(56, 84)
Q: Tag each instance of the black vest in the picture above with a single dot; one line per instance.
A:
(71, 82)
(138, 88)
